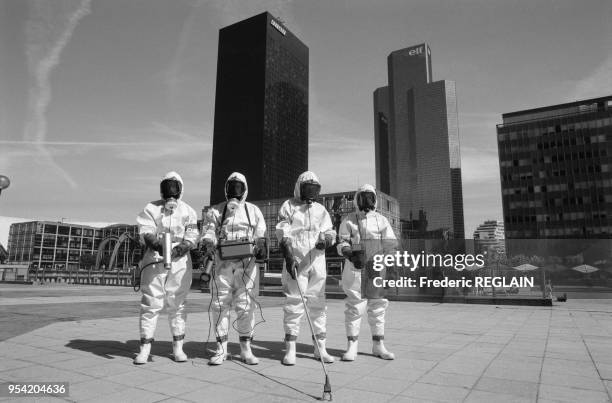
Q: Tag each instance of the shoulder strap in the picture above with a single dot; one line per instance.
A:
(358, 226)
(247, 214)
(223, 215)
(291, 211)
(248, 217)
(246, 208)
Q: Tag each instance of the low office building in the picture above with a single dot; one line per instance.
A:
(556, 170)
(64, 247)
(3, 254)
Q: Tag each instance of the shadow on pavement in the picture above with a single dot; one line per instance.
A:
(275, 350)
(109, 349)
(112, 349)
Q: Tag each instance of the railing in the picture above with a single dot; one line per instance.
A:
(523, 269)
(113, 278)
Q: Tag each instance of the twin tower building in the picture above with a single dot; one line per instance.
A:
(261, 126)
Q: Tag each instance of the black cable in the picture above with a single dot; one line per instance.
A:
(209, 319)
(138, 278)
(247, 289)
(219, 301)
(249, 294)
(214, 278)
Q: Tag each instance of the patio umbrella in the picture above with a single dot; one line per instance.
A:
(585, 268)
(526, 267)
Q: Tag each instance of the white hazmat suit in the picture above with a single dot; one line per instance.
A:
(302, 224)
(160, 287)
(370, 232)
(236, 281)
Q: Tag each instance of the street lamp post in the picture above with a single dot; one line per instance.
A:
(4, 183)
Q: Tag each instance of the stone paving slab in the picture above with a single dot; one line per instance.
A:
(445, 352)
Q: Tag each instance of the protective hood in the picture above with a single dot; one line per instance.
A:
(237, 176)
(307, 176)
(365, 188)
(173, 175)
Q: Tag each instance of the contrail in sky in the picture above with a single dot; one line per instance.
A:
(40, 93)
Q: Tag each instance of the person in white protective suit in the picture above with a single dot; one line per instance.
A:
(363, 234)
(160, 286)
(235, 281)
(305, 230)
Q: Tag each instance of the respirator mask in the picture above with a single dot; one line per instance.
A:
(366, 201)
(309, 191)
(234, 190)
(170, 190)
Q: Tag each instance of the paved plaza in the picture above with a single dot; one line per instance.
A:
(445, 352)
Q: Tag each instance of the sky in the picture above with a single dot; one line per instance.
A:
(99, 99)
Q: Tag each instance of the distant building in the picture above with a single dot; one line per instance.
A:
(261, 108)
(56, 246)
(556, 170)
(490, 236)
(418, 229)
(3, 254)
(417, 142)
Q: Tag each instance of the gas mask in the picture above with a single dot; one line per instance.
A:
(234, 190)
(232, 205)
(309, 191)
(171, 204)
(170, 190)
(366, 201)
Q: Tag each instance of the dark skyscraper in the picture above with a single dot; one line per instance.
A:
(381, 140)
(417, 142)
(261, 108)
(556, 170)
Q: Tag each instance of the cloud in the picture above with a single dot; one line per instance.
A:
(87, 143)
(597, 84)
(478, 164)
(168, 139)
(235, 10)
(341, 151)
(173, 75)
(173, 143)
(226, 12)
(41, 68)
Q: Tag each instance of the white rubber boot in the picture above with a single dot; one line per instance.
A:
(379, 350)
(328, 359)
(351, 349)
(145, 351)
(177, 349)
(220, 354)
(246, 355)
(289, 358)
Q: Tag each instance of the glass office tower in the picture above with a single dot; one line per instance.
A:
(417, 143)
(261, 108)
